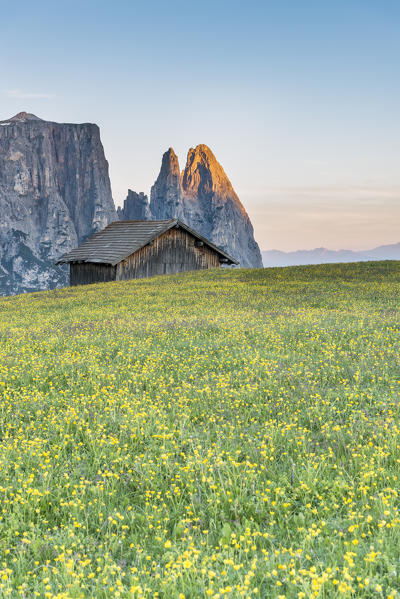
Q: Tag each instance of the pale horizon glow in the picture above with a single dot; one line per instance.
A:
(298, 101)
(327, 216)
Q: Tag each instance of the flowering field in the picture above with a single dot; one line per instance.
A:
(217, 434)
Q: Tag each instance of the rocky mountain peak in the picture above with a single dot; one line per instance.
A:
(165, 195)
(212, 207)
(204, 175)
(22, 117)
(203, 197)
(169, 164)
(136, 207)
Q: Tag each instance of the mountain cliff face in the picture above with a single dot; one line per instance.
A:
(54, 193)
(203, 197)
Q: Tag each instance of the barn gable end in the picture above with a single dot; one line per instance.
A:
(173, 251)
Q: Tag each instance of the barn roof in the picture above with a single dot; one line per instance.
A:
(125, 237)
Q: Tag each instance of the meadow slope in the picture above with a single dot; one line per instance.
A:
(212, 434)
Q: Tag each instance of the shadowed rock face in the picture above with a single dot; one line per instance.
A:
(54, 193)
(136, 207)
(165, 196)
(203, 197)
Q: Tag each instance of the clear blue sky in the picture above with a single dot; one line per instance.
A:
(299, 100)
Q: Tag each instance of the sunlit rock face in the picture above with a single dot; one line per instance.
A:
(202, 197)
(54, 193)
(212, 207)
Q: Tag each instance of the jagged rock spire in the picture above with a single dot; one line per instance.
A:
(213, 208)
(165, 196)
(204, 176)
(136, 207)
(203, 197)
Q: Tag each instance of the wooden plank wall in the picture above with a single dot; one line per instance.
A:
(89, 272)
(173, 251)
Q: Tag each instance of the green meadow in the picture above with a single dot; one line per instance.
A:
(222, 434)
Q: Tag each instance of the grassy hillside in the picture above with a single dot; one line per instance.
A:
(218, 434)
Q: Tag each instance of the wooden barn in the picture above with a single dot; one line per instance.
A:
(136, 249)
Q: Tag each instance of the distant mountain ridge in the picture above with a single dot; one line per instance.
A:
(325, 256)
